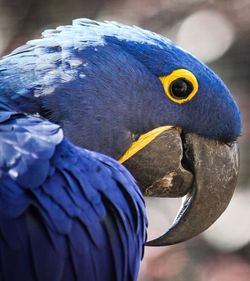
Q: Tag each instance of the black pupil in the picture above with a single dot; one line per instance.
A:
(181, 88)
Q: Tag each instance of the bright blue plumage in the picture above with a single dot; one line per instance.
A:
(66, 213)
(76, 68)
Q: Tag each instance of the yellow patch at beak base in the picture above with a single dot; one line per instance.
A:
(143, 140)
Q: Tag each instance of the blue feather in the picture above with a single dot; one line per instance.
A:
(64, 212)
(77, 67)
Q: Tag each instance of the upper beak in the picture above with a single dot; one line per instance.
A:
(173, 165)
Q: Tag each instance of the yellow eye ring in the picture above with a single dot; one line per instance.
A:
(180, 86)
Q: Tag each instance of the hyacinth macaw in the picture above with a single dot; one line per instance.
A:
(73, 100)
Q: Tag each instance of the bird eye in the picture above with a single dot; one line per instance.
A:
(180, 86)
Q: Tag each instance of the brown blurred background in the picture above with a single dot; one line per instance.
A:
(218, 32)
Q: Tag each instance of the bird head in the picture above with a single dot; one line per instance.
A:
(186, 93)
(118, 90)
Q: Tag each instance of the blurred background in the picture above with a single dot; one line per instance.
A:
(218, 32)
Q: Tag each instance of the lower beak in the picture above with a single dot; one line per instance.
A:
(172, 164)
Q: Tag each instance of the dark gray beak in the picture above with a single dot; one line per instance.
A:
(176, 165)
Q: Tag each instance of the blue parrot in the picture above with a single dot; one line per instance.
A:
(72, 103)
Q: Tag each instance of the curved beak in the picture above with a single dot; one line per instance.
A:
(174, 165)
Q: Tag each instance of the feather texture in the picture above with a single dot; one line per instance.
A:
(66, 213)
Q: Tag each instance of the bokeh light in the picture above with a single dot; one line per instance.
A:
(207, 34)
